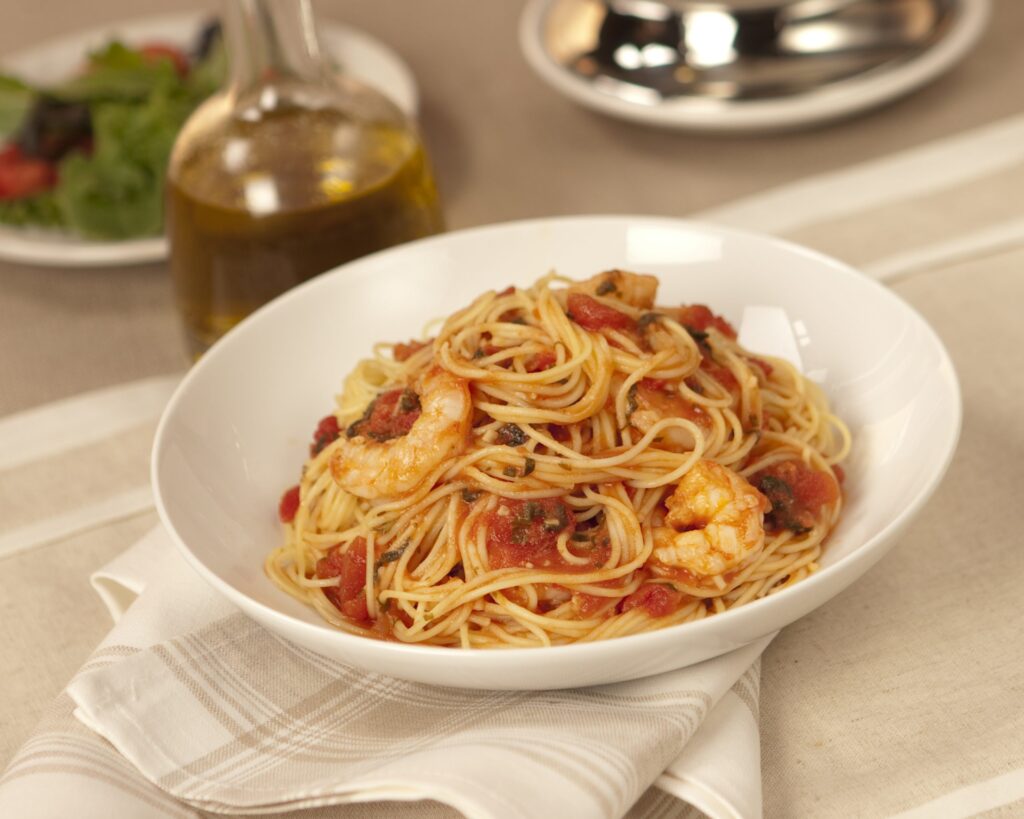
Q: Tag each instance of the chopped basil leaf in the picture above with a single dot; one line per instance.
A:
(631, 404)
(409, 402)
(511, 435)
(353, 428)
(391, 555)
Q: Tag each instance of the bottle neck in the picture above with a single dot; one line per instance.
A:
(271, 41)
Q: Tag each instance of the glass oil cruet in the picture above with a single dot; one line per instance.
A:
(290, 170)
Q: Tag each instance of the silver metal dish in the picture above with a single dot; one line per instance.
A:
(741, 52)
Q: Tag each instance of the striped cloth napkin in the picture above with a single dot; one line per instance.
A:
(225, 717)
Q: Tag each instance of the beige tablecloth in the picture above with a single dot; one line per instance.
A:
(907, 690)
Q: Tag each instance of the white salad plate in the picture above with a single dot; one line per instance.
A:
(822, 104)
(237, 431)
(51, 62)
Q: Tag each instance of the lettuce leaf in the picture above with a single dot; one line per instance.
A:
(40, 210)
(15, 100)
(117, 73)
(137, 106)
(117, 192)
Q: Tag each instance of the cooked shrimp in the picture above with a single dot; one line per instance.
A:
(715, 521)
(635, 289)
(372, 468)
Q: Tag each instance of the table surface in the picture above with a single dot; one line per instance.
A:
(505, 147)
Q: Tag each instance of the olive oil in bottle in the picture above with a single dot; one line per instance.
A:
(289, 172)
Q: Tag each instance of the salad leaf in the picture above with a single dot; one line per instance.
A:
(40, 210)
(117, 192)
(110, 185)
(15, 100)
(117, 73)
(207, 75)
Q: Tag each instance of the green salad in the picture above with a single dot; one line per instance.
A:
(89, 156)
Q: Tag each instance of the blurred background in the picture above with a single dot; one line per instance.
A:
(504, 146)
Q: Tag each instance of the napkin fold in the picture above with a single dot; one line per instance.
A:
(213, 710)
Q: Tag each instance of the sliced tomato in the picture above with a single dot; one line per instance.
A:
(22, 176)
(164, 51)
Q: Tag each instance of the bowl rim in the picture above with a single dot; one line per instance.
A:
(869, 550)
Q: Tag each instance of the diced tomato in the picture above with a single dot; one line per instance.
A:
(389, 415)
(656, 599)
(288, 505)
(22, 176)
(699, 317)
(521, 532)
(163, 51)
(839, 472)
(797, 492)
(590, 314)
(540, 361)
(326, 434)
(404, 351)
(349, 596)
(508, 291)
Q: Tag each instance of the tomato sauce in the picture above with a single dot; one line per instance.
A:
(525, 532)
(764, 366)
(723, 375)
(655, 599)
(540, 361)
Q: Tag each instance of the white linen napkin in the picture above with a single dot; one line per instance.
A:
(223, 716)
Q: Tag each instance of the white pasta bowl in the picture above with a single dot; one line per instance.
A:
(236, 432)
